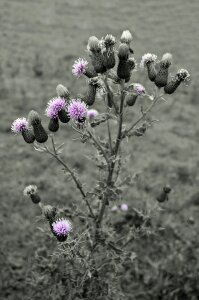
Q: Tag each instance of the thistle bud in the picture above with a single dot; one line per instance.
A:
(97, 60)
(108, 53)
(126, 37)
(148, 61)
(90, 73)
(93, 84)
(109, 59)
(162, 75)
(94, 48)
(39, 132)
(131, 99)
(49, 212)
(132, 63)
(93, 44)
(167, 189)
(28, 136)
(53, 124)
(163, 196)
(31, 191)
(63, 116)
(123, 52)
(123, 69)
(62, 92)
(182, 75)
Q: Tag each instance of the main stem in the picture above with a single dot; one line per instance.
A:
(112, 164)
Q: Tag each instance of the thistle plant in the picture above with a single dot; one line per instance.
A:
(95, 252)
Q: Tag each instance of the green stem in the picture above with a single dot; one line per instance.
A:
(112, 165)
(75, 179)
(143, 115)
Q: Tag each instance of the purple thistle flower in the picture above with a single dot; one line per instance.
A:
(77, 109)
(19, 125)
(55, 105)
(92, 113)
(79, 67)
(62, 227)
(124, 207)
(139, 89)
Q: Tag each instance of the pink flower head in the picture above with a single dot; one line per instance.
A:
(124, 207)
(79, 67)
(62, 227)
(92, 113)
(54, 106)
(77, 109)
(139, 89)
(19, 125)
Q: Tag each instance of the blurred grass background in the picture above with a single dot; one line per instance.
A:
(39, 42)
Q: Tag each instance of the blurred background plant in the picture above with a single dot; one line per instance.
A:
(167, 154)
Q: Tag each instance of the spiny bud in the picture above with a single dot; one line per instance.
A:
(20, 125)
(182, 75)
(93, 44)
(49, 212)
(31, 191)
(109, 58)
(148, 61)
(34, 118)
(63, 116)
(123, 52)
(162, 75)
(109, 41)
(93, 84)
(132, 63)
(28, 136)
(126, 37)
(90, 73)
(167, 189)
(97, 60)
(39, 132)
(62, 92)
(53, 124)
(108, 51)
(151, 71)
(123, 69)
(131, 99)
(163, 196)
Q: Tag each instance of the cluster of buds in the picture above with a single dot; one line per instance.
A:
(59, 109)
(31, 129)
(164, 195)
(160, 77)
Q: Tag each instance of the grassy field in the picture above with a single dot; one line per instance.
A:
(39, 42)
